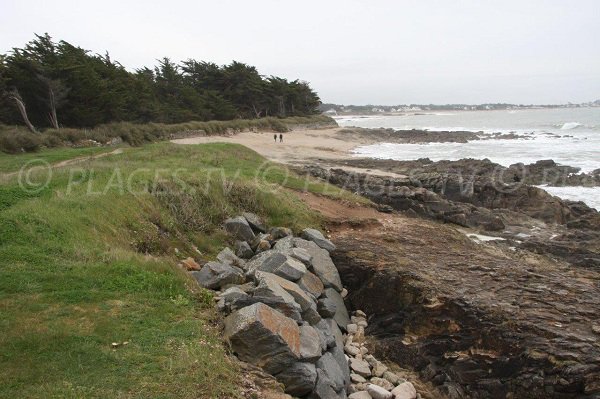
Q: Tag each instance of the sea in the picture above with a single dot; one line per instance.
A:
(569, 136)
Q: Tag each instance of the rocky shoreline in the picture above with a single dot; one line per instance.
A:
(283, 302)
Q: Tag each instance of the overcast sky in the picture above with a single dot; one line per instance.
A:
(352, 52)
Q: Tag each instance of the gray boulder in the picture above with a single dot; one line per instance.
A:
(322, 265)
(239, 228)
(255, 222)
(284, 244)
(324, 388)
(297, 293)
(243, 250)
(228, 257)
(310, 345)
(340, 357)
(341, 317)
(264, 337)
(378, 392)
(269, 291)
(336, 332)
(360, 395)
(326, 307)
(300, 254)
(299, 379)
(317, 237)
(283, 266)
(280, 232)
(215, 275)
(331, 368)
(326, 336)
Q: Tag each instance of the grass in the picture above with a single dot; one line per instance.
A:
(89, 260)
(17, 139)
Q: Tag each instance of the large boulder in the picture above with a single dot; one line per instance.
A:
(228, 257)
(255, 222)
(299, 379)
(300, 254)
(326, 336)
(269, 290)
(214, 275)
(311, 284)
(405, 390)
(324, 388)
(332, 371)
(341, 316)
(239, 228)
(322, 265)
(283, 266)
(317, 237)
(340, 357)
(264, 337)
(243, 250)
(326, 307)
(301, 297)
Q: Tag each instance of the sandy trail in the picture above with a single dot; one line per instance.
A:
(299, 147)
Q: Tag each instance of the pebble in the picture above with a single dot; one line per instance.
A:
(378, 392)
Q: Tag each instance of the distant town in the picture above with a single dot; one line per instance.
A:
(337, 109)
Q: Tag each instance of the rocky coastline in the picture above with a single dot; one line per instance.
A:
(283, 302)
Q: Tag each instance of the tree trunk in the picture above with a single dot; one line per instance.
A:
(21, 105)
(53, 117)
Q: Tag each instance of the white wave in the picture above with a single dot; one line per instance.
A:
(589, 195)
(570, 125)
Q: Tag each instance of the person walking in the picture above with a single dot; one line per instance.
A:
(280, 137)
(275, 137)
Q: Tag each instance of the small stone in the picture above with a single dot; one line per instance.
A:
(356, 378)
(379, 368)
(382, 382)
(190, 264)
(360, 395)
(352, 328)
(243, 250)
(391, 377)
(360, 367)
(344, 293)
(352, 350)
(378, 392)
(280, 232)
(360, 313)
(405, 390)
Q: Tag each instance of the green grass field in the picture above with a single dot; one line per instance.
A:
(90, 259)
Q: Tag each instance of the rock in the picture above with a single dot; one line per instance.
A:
(337, 333)
(379, 368)
(300, 254)
(299, 379)
(310, 344)
(228, 257)
(262, 246)
(344, 293)
(338, 354)
(243, 250)
(283, 266)
(360, 395)
(280, 232)
(311, 284)
(317, 237)
(269, 291)
(331, 368)
(284, 244)
(326, 336)
(264, 337)
(324, 388)
(341, 316)
(297, 293)
(352, 349)
(405, 390)
(190, 264)
(232, 293)
(352, 328)
(356, 378)
(311, 315)
(326, 307)
(391, 377)
(360, 321)
(255, 222)
(215, 275)
(360, 367)
(239, 228)
(378, 392)
(360, 313)
(322, 265)
(382, 382)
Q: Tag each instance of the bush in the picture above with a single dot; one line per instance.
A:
(17, 142)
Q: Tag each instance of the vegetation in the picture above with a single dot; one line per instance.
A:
(89, 260)
(56, 84)
(18, 139)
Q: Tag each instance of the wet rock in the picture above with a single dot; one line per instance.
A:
(322, 265)
(264, 337)
(341, 316)
(243, 250)
(317, 237)
(255, 222)
(239, 228)
(299, 379)
(378, 392)
(215, 275)
(405, 390)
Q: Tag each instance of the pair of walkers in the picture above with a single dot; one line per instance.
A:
(280, 137)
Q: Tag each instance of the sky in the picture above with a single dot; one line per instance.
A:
(351, 52)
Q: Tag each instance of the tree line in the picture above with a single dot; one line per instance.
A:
(48, 84)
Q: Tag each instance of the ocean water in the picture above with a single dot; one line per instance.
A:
(569, 136)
